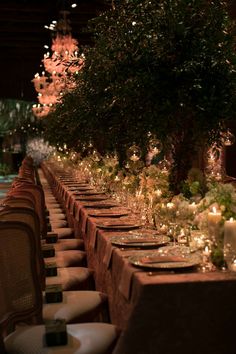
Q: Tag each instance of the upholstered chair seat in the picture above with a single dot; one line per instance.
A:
(72, 278)
(76, 306)
(68, 258)
(64, 232)
(86, 338)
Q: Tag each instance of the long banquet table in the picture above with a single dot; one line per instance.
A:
(159, 313)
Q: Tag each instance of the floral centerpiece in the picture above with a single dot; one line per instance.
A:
(39, 150)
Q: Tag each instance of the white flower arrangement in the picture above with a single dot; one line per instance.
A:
(39, 150)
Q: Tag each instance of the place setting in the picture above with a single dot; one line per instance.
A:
(167, 257)
(88, 192)
(102, 204)
(96, 197)
(140, 241)
(113, 213)
(121, 224)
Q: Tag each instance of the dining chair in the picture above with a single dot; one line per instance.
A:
(26, 199)
(21, 324)
(77, 305)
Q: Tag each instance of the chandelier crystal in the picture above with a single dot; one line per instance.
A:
(60, 67)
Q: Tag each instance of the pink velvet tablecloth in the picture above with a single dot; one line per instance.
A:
(166, 313)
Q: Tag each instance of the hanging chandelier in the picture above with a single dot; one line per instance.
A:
(59, 69)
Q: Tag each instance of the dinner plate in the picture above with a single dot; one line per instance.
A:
(88, 192)
(80, 190)
(143, 240)
(168, 257)
(120, 225)
(101, 205)
(108, 213)
(77, 185)
(92, 198)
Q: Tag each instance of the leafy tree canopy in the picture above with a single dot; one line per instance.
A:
(164, 66)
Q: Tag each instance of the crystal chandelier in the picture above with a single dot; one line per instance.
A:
(60, 68)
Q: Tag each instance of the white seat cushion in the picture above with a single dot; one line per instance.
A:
(58, 223)
(51, 205)
(71, 278)
(69, 244)
(85, 338)
(57, 216)
(55, 211)
(64, 232)
(69, 258)
(75, 306)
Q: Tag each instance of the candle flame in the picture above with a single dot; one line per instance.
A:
(231, 219)
(214, 210)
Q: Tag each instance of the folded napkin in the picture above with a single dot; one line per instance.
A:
(162, 259)
(139, 240)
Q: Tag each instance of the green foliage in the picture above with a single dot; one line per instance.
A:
(4, 169)
(14, 114)
(217, 257)
(163, 66)
(195, 185)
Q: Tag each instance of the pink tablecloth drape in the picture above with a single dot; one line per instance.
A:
(185, 313)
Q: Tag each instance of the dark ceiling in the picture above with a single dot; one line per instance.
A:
(23, 36)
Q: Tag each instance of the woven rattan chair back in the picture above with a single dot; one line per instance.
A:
(20, 290)
(38, 196)
(30, 218)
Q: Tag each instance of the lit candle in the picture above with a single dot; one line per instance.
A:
(158, 192)
(193, 207)
(170, 205)
(134, 157)
(214, 219)
(229, 240)
(139, 195)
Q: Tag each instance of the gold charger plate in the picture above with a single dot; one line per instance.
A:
(143, 240)
(167, 257)
(101, 205)
(94, 198)
(88, 192)
(119, 225)
(108, 214)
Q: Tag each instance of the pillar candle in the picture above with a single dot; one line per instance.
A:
(229, 240)
(214, 219)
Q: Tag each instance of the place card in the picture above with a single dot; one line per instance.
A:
(55, 332)
(51, 237)
(48, 251)
(53, 293)
(49, 227)
(50, 269)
